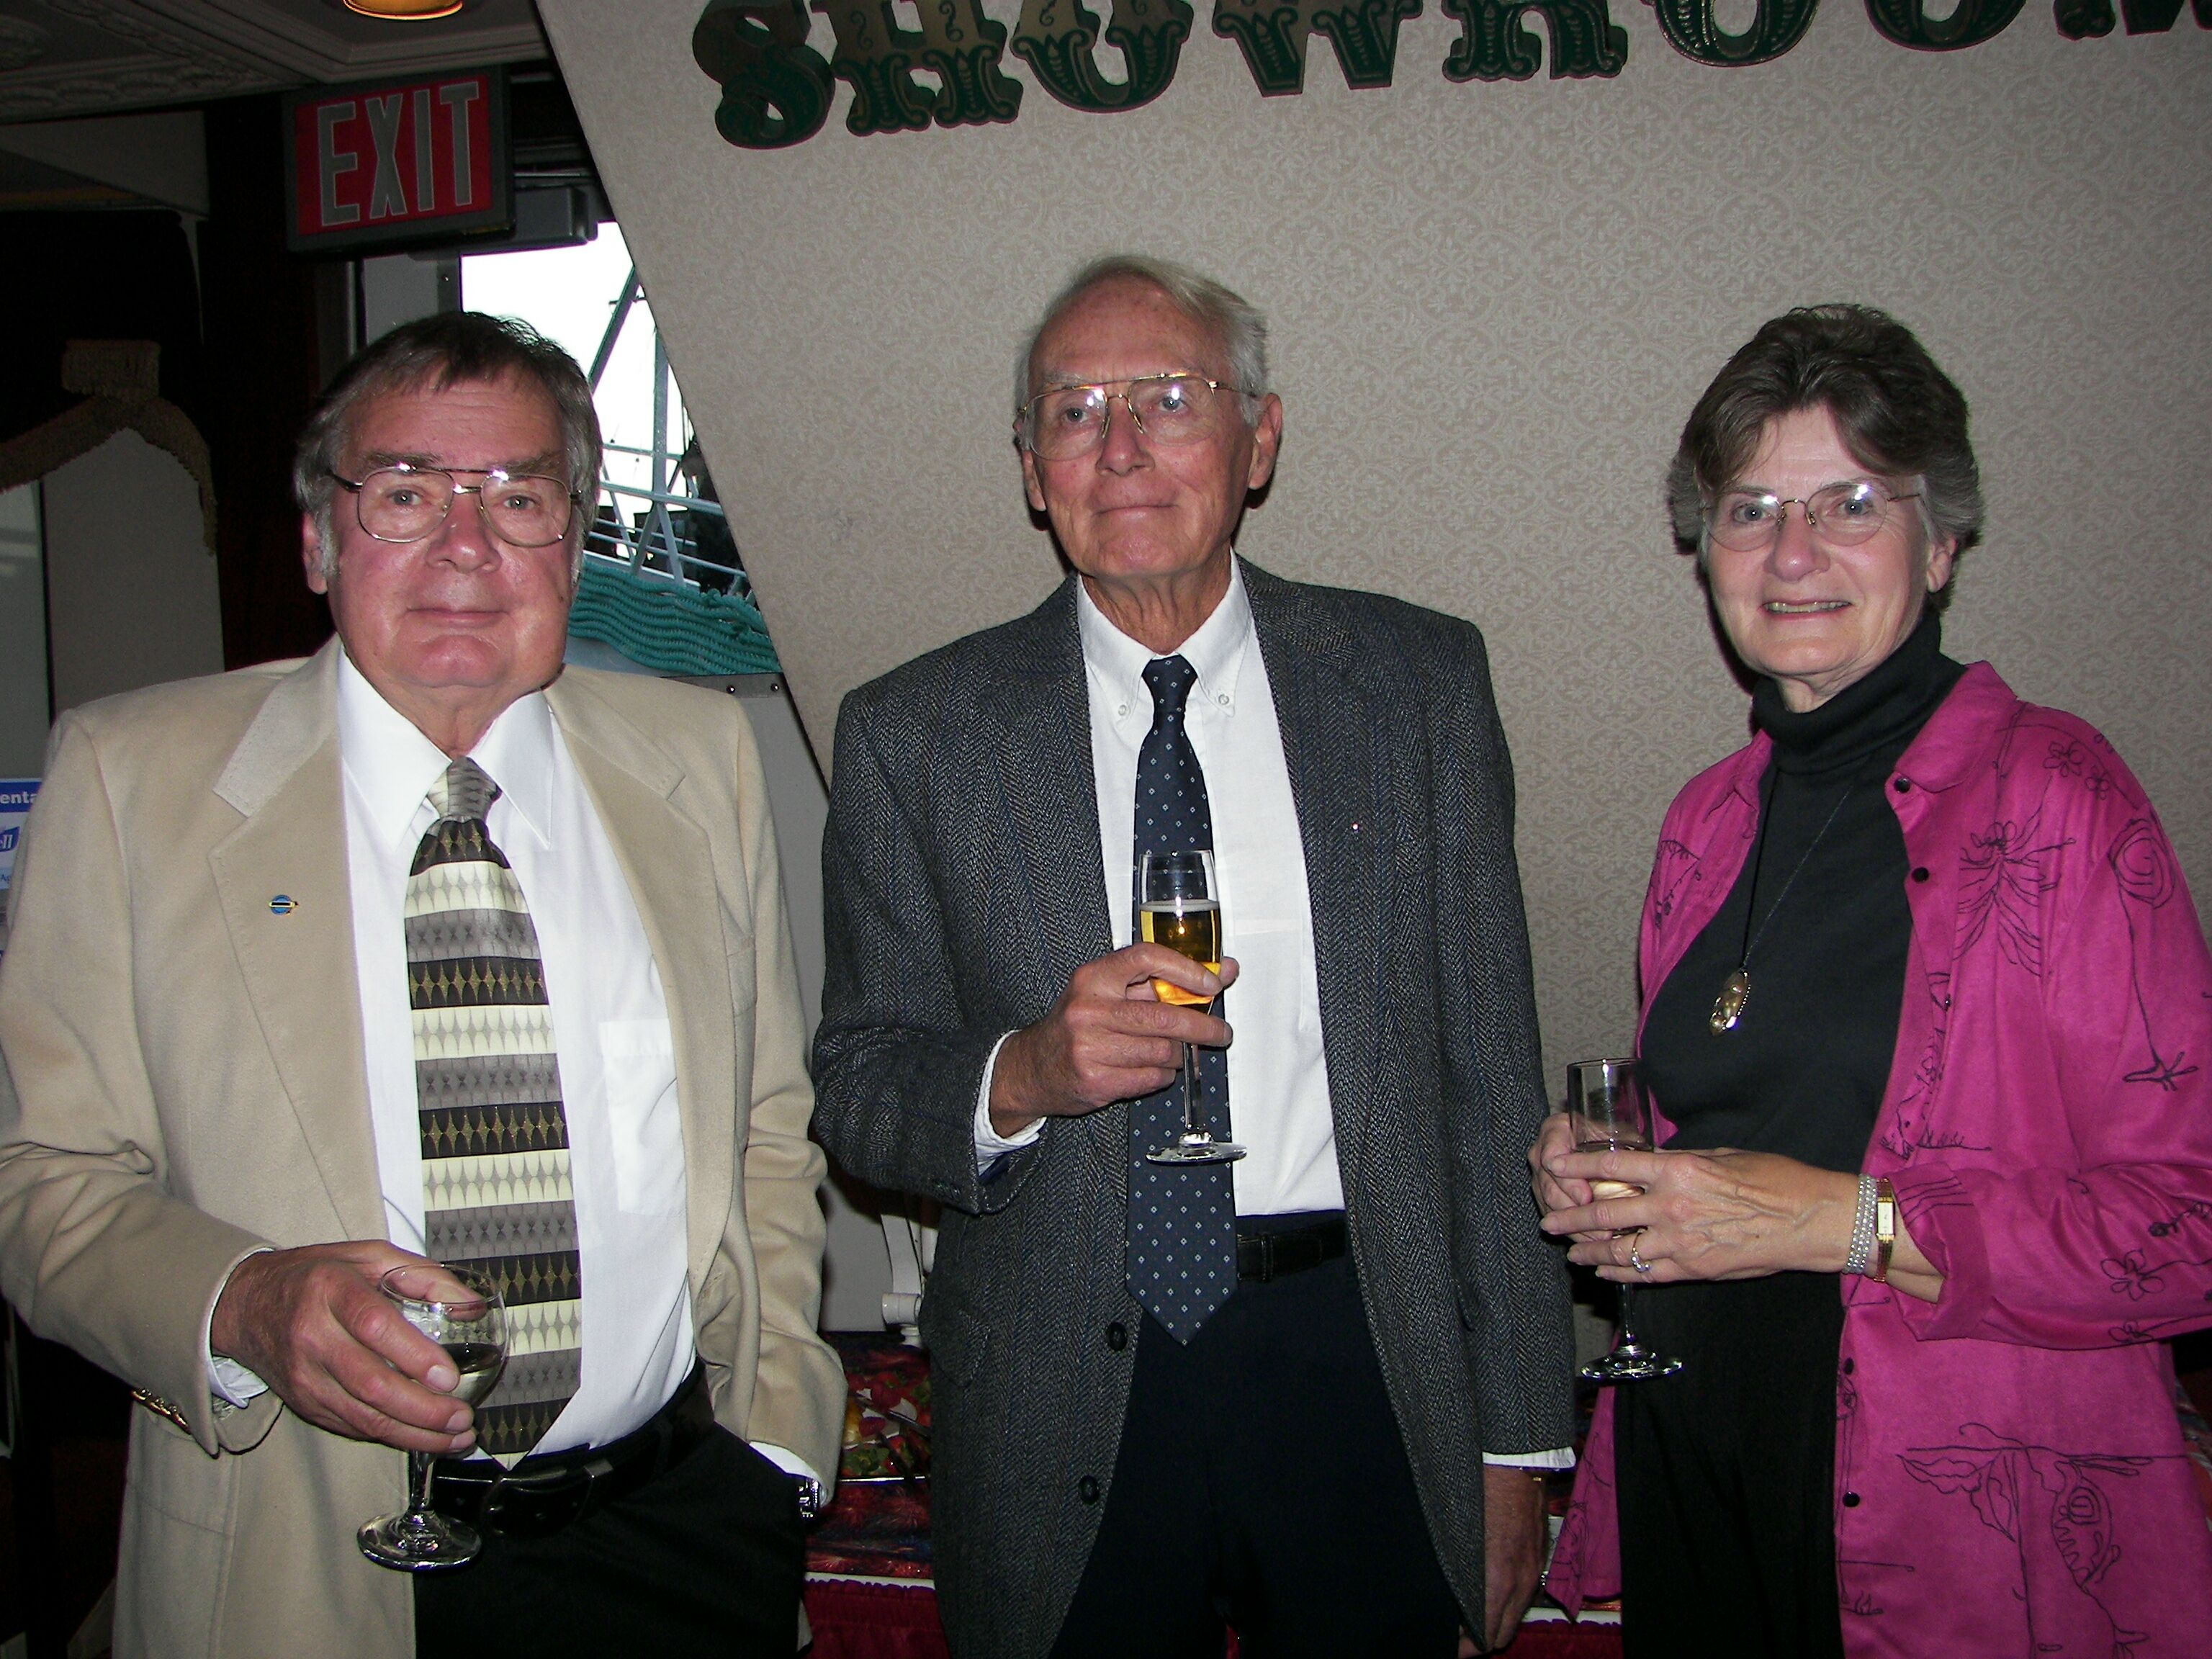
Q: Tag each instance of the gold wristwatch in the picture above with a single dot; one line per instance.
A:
(1885, 1229)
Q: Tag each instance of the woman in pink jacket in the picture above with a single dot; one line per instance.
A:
(1928, 1016)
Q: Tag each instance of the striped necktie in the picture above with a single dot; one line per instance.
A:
(496, 1188)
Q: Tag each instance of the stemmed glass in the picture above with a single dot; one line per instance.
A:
(461, 1310)
(1179, 905)
(1609, 1111)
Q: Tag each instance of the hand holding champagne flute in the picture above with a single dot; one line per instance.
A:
(1179, 906)
(1609, 1111)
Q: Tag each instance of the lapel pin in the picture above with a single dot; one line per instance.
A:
(282, 905)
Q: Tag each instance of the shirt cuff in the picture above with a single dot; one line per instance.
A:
(990, 1145)
(1563, 1458)
(793, 1464)
(227, 1379)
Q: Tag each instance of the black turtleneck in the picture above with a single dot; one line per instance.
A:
(1726, 1470)
(1804, 1070)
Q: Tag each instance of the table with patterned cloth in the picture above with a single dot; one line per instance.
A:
(868, 1590)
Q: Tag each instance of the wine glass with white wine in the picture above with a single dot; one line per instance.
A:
(1609, 1111)
(1179, 905)
(461, 1310)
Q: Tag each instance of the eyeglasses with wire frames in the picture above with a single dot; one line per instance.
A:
(405, 503)
(1840, 515)
(1064, 422)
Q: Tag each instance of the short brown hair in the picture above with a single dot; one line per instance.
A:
(452, 348)
(1899, 415)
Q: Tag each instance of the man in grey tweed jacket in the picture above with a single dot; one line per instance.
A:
(1329, 1447)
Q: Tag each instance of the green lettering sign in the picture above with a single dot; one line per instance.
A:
(2156, 16)
(1055, 37)
(776, 88)
(876, 58)
(1271, 34)
(2077, 18)
(1907, 23)
(1690, 28)
(1498, 45)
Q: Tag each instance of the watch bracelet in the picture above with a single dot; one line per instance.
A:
(1861, 1250)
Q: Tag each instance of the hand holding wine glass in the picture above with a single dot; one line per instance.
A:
(1607, 1110)
(461, 1310)
(1179, 906)
(312, 1323)
(1107, 1038)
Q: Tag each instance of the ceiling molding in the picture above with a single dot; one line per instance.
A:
(115, 84)
(297, 38)
(178, 51)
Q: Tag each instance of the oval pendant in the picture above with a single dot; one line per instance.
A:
(1728, 1006)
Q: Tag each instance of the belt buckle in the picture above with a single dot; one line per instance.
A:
(523, 1507)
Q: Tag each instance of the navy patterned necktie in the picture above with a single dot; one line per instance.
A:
(1182, 1217)
(495, 1187)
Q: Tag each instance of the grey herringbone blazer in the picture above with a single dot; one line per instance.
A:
(963, 884)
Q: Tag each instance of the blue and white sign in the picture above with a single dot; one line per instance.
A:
(16, 797)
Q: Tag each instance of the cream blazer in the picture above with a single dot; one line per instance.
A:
(184, 1083)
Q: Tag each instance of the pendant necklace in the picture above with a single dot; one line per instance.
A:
(1736, 990)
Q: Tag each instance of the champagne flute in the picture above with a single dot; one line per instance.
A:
(1609, 1111)
(1179, 905)
(461, 1310)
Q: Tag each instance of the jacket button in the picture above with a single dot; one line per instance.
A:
(1087, 1490)
(1117, 1336)
(1850, 1365)
(1850, 1500)
(1903, 785)
(1920, 872)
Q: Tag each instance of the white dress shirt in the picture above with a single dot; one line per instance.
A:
(617, 1055)
(616, 1050)
(1279, 1096)
(1279, 1099)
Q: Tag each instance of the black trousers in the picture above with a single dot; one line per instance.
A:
(705, 1562)
(1725, 1473)
(1262, 1484)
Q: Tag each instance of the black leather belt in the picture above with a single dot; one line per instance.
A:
(540, 1495)
(1270, 1255)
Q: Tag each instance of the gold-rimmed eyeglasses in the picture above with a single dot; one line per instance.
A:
(1181, 407)
(406, 503)
(1841, 514)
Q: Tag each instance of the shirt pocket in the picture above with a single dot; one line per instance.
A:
(645, 1125)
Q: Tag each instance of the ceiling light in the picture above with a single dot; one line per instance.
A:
(412, 11)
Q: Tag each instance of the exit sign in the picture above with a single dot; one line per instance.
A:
(409, 162)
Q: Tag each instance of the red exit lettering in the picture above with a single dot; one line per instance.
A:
(374, 163)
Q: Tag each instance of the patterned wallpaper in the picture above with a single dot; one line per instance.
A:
(1493, 305)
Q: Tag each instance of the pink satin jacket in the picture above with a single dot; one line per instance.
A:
(2010, 1476)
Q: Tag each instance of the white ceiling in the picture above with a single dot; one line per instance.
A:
(74, 58)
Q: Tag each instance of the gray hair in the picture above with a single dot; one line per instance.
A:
(1899, 416)
(1232, 319)
(452, 347)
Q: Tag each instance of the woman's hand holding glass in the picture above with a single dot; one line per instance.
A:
(1717, 1214)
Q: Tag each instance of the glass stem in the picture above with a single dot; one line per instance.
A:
(422, 1467)
(1627, 1336)
(1193, 1123)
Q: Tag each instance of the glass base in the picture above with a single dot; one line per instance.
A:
(1630, 1363)
(1197, 1147)
(419, 1543)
